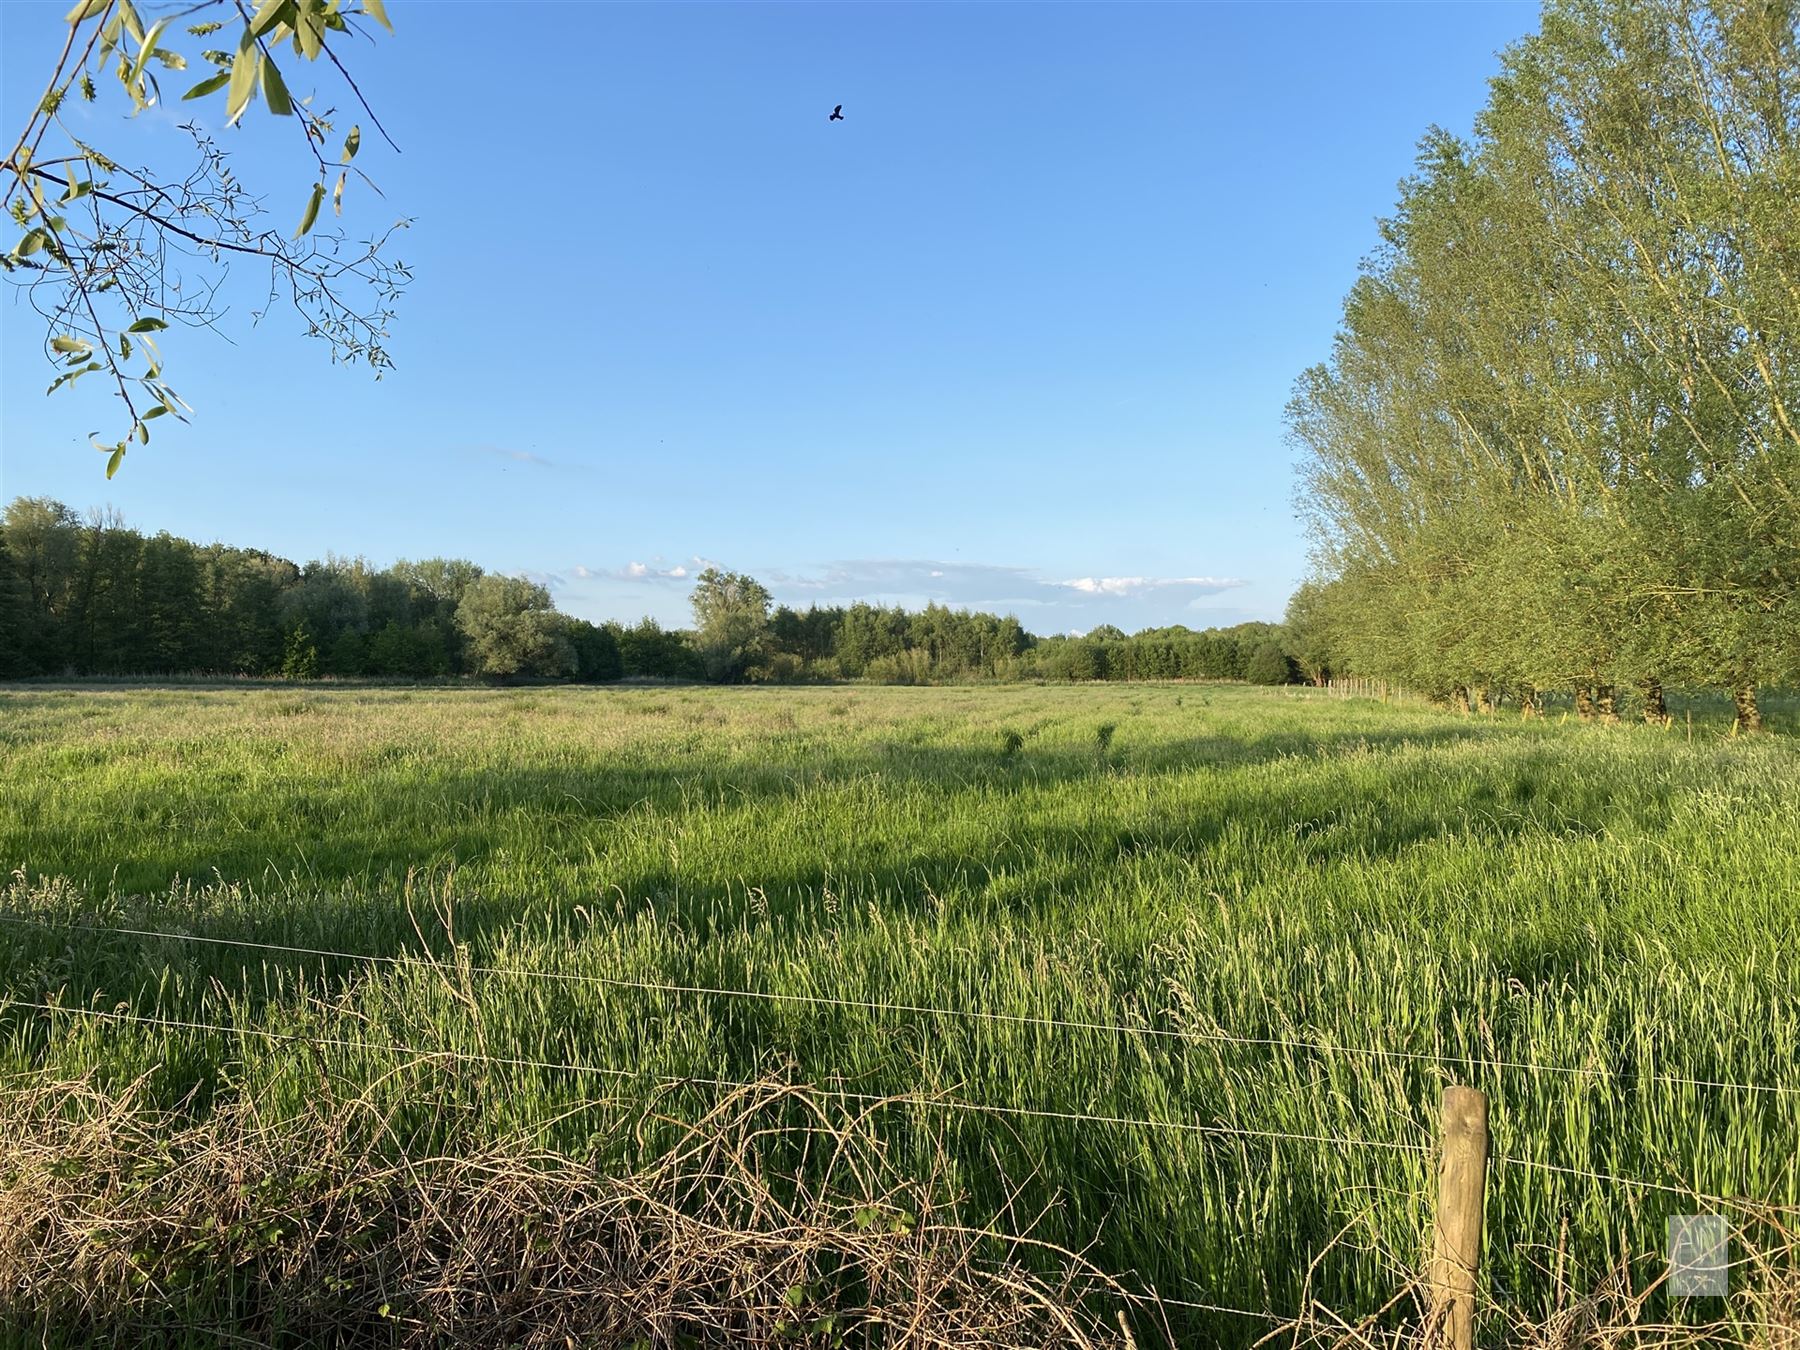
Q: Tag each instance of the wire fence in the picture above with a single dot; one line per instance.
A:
(870, 1098)
(1182, 1034)
(922, 1099)
(839, 1092)
(723, 1085)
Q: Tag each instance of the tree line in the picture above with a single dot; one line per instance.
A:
(1556, 446)
(91, 596)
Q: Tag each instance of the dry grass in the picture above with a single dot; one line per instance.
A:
(1762, 1311)
(123, 1224)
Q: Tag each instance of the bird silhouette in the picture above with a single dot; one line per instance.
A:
(837, 114)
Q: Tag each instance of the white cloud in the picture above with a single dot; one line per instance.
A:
(1130, 586)
(632, 571)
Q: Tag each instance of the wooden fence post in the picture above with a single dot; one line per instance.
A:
(1456, 1249)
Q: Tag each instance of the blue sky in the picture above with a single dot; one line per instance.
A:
(1015, 335)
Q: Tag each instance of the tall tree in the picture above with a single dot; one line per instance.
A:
(15, 617)
(512, 628)
(731, 622)
(1549, 446)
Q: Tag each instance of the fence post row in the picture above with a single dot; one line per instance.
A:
(1456, 1247)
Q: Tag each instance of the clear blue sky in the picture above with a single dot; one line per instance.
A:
(1016, 334)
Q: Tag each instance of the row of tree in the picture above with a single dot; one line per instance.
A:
(739, 635)
(93, 597)
(1557, 443)
(90, 596)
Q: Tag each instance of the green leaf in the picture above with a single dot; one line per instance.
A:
(309, 29)
(211, 84)
(147, 326)
(268, 14)
(144, 51)
(275, 91)
(124, 348)
(78, 188)
(158, 411)
(377, 11)
(337, 195)
(115, 459)
(243, 79)
(85, 10)
(143, 434)
(69, 377)
(312, 209)
(31, 243)
(352, 143)
(71, 344)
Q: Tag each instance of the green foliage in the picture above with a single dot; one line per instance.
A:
(1557, 441)
(420, 650)
(596, 650)
(300, 655)
(649, 651)
(349, 655)
(511, 628)
(15, 614)
(1155, 654)
(1310, 643)
(1268, 664)
(102, 599)
(1273, 864)
(98, 275)
(731, 623)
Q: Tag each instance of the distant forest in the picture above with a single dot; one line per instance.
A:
(90, 596)
(1556, 446)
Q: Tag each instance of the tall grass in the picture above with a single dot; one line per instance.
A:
(1316, 876)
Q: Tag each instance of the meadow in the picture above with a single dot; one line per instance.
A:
(1204, 955)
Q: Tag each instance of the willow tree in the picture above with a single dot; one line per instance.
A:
(113, 251)
(1654, 188)
(1556, 441)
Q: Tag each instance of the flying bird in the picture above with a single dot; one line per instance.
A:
(837, 114)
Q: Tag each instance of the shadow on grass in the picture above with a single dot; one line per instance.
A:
(345, 884)
(390, 821)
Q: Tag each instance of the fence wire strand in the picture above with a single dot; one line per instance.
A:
(923, 1099)
(912, 1009)
(919, 1099)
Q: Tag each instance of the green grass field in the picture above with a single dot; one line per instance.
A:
(1277, 865)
